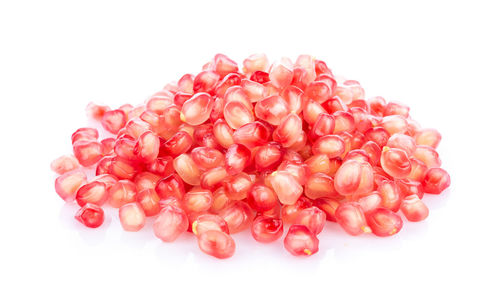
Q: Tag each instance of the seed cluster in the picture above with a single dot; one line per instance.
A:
(227, 149)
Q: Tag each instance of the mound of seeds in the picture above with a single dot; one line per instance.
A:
(259, 148)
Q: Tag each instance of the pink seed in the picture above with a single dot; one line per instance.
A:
(125, 147)
(137, 127)
(223, 133)
(414, 209)
(96, 111)
(217, 244)
(268, 157)
(324, 125)
(163, 166)
(311, 111)
(197, 109)
(94, 192)
(255, 62)
(436, 180)
(147, 147)
(149, 201)
(293, 96)
(88, 153)
(205, 81)
(313, 218)
(428, 136)
(122, 168)
(300, 171)
(319, 163)
(108, 146)
(213, 178)
(254, 90)
(351, 218)
(132, 217)
(393, 108)
(146, 180)
(335, 104)
(251, 135)
(187, 169)
(409, 187)
(84, 134)
(238, 186)
(299, 241)
(344, 121)
(418, 170)
(114, 120)
(171, 186)
(290, 212)
(238, 216)
(369, 202)
(383, 222)
(403, 142)
(377, 105)
(272, 109)
(318, 91)
(390, 194)
(262, 198)
(320, 185)
(197, 200)
(170, 223)
(331, 145)
(428, 155)
(64, 164)
(90, 215)
(231, 79)
(224, 65)
(267, 229)
(185, 83)
(394, 124)
(68, 183)
(221, 200)
(378, 135)
(395, 162)
(237, 115)
(281, 73)
(209, 222)
(237, 94)
(289, 130)
(237, 158)
(373, 151)
(328, 206)
(286, 187)
(354, 177)
(123, 192)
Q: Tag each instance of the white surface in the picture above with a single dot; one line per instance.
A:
(439, 58)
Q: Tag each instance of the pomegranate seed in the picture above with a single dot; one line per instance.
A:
(171, 186)
(137, 127)
(205, 81)
(410, 187)
(125, 147)
(209, 222)
(298, 170)
(271, 109)
(328, 206)
(88, 153)
(238, 216)
(418, 170)
(237, 94)
(414, 209)
(395, 162)
(428, 155)
(301, 142)
(267, 229)
(393, 108)
(262, 198)
(286, 187)
(197, 109)
(319, 163)
(213, 178)
(335, 104)
(132, 217)
(345, 94)
(217, 244)
(293, 96)
(390, 194)
(299, 241)
(96, 111)
(394, 124)
(255, 62)
(238, 186)
(114, 120)
(172, 117)
(146, 180)
(84, 134)
(251, 135)
(377, 105)
(373, 151)
(318, 91)
(324, 125)
(281, 73)
(351, 218)
(383, 222)
(254, 90)
(123, 192)
(64, 164)
(311, 111)
(403, 142)
(237, 115)
(221, 200)
(223, 133)
(231, 79)
(147, 147)
(436, 180)
(268, 157)
(207, 158)
(428, 136)
(162, 166)
(94, 192)
(178, 144)
(90, 215)
(122, 168)
(108, 146)
(198, 200)
(149, 201)
(354, 177)
(187, 169)
(313, 218)
(331, 145)
(68, 183)
(378, 135)
(357, 154)
(321, 68)
(288, 132)
(320, 185)
(236, 159)
(224, 65)
(290, 212)
(185, 83)
(170, 223)
(370, 202)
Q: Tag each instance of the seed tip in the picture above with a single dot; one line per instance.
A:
(366, 229)
(183, 118)
(307, 252)
(193, 227)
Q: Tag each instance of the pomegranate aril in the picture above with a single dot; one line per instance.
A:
(373, 151)
(64, 164)
(410, 187)
(299, 170)
(281, 73)
(267, 229)
(163, 166)
(331, 145)
(286, 187)
(209, 222)
(136, 127)
(320, 185)
(383, 222)
(395, 162)
(255, 62)
(238, 216)
(370, 202)
(90, 215)
(149, 200)
(93, 192)
(170, 223)
(221, 200)
(299, 241)
(125, 147)
(251, 135)
(418, 170)
(351, 218)
(289, 130)
(378, 135)
(197, 109)
(394, 124)
(238, 186)
(217, 244)
(414, 209)
(237, 115)
(262, 198)
(354, 177)
(391, 195)
(268, 157)
(328, 206)
(393, 108)
(68, 183)
(96, 111)
(114, 120)
(313, 218)
(84, 134)
(123, 192)
(132, 217)
(377, 105)
(428, 155)
(207, 158)
(187, 169)
(428, 136)
(231, 79)
(318, 91)
(205, 81)
(146, 180)
(88, 153)
(171, 186)
(185, 83)
(122, 168)
(272, 109)
(223, 65)
(311, 111)
(436, 180)
(403, 142)
(319, 163)
(147, 147)
(324, 125)
(197, 200)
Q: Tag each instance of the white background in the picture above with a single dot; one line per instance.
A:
(440, 58)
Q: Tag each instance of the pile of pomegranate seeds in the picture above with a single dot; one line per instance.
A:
(259, 148)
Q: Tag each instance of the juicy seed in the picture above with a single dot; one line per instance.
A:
(217, 244)
(267, 229)
(299, 241)
(90, 215)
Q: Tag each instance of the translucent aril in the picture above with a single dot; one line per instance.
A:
(88, 153)
(149, 201)
(171, 186)
(378, 135)
(320, 185)
(354, 177)
(147, 147)
(403, 142)
(313, 218)
(414, 209)
(319, 163)
(394, 108)
(236, 114)
(299, 241)
(170, 223)
(394, 124)
(132, 217)
(223, 133)
(383, 222)
(281, 73)
(328, 206)
(251, 135)
(267, 229)
(238, 216)
(262, 198)
(300, 171)
(123, 192)
(428, 155)
(268, 157)
(395, 162)
(331, 145)
(324, 125)
(197, 200)
(213, 178)
(289, 130)
(255, 62)
(272, 109)
(187, 169)
(390, 194)
(68, 183)
(90, 215)
(286, 187)
(237, 157)
(197, 109)
(418, 170)
(436, 180)
(209, 222)
(238, 186)
(113, 121)
(217, 244)
(428, 136)
(351, 218)
(94, 192)
(293, 96)
(344, 121)
(370, 201)
(64, 164)
(205, 81)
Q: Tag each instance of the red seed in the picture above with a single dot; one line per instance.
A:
(320, 185)
(185, 83)
(436, 180)
(351, 218)
(390, 194)
(213, 178)
(146, 180)
(68, 183)
(414, 209)
(147, 147)
(93, 192)
(395, 162)
(231, 79)
(238, 216)
(132, 217)
(281, 73)
(289, 130)
(123, 192)
(293, 96)
(103, 166)
(205, 81)
(319, 163)
(300, 171)
(207, 158)
(393, 108)
(137, 127)
(197, 109)
(255, 62)
(224, 65)
(170, 223)
(125, 147)
(221, 200)
(262, 198)
(428, 136)
(84, 134)
(290, 212)
(223, 133)
(209, 222)
(88, 153)
(378, 135)
(114, 120)
(237, 115)
(313, 218)
(267, 229)
(331, 145)
(163, 166)
(299, 241)
(318, 91)
(272, 109)
(383, 222)
(344, 121)
(394, 124)
(403, 142)
(428, 155)
(311, 111)
(197, 200)
(64, 164)
(238, 186)
(122, 168)
(370, 202)
(268, 157)
(178, 144)
(354, 177)
(286, 187)
(377, 105)
(328, 206)
(324, 125)
(171, 186)
(96, 111)
(251, 135)
(187, 169)
(358, 154)
(217, 244)
(410, 187)
(90, 215)
(418, 170)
